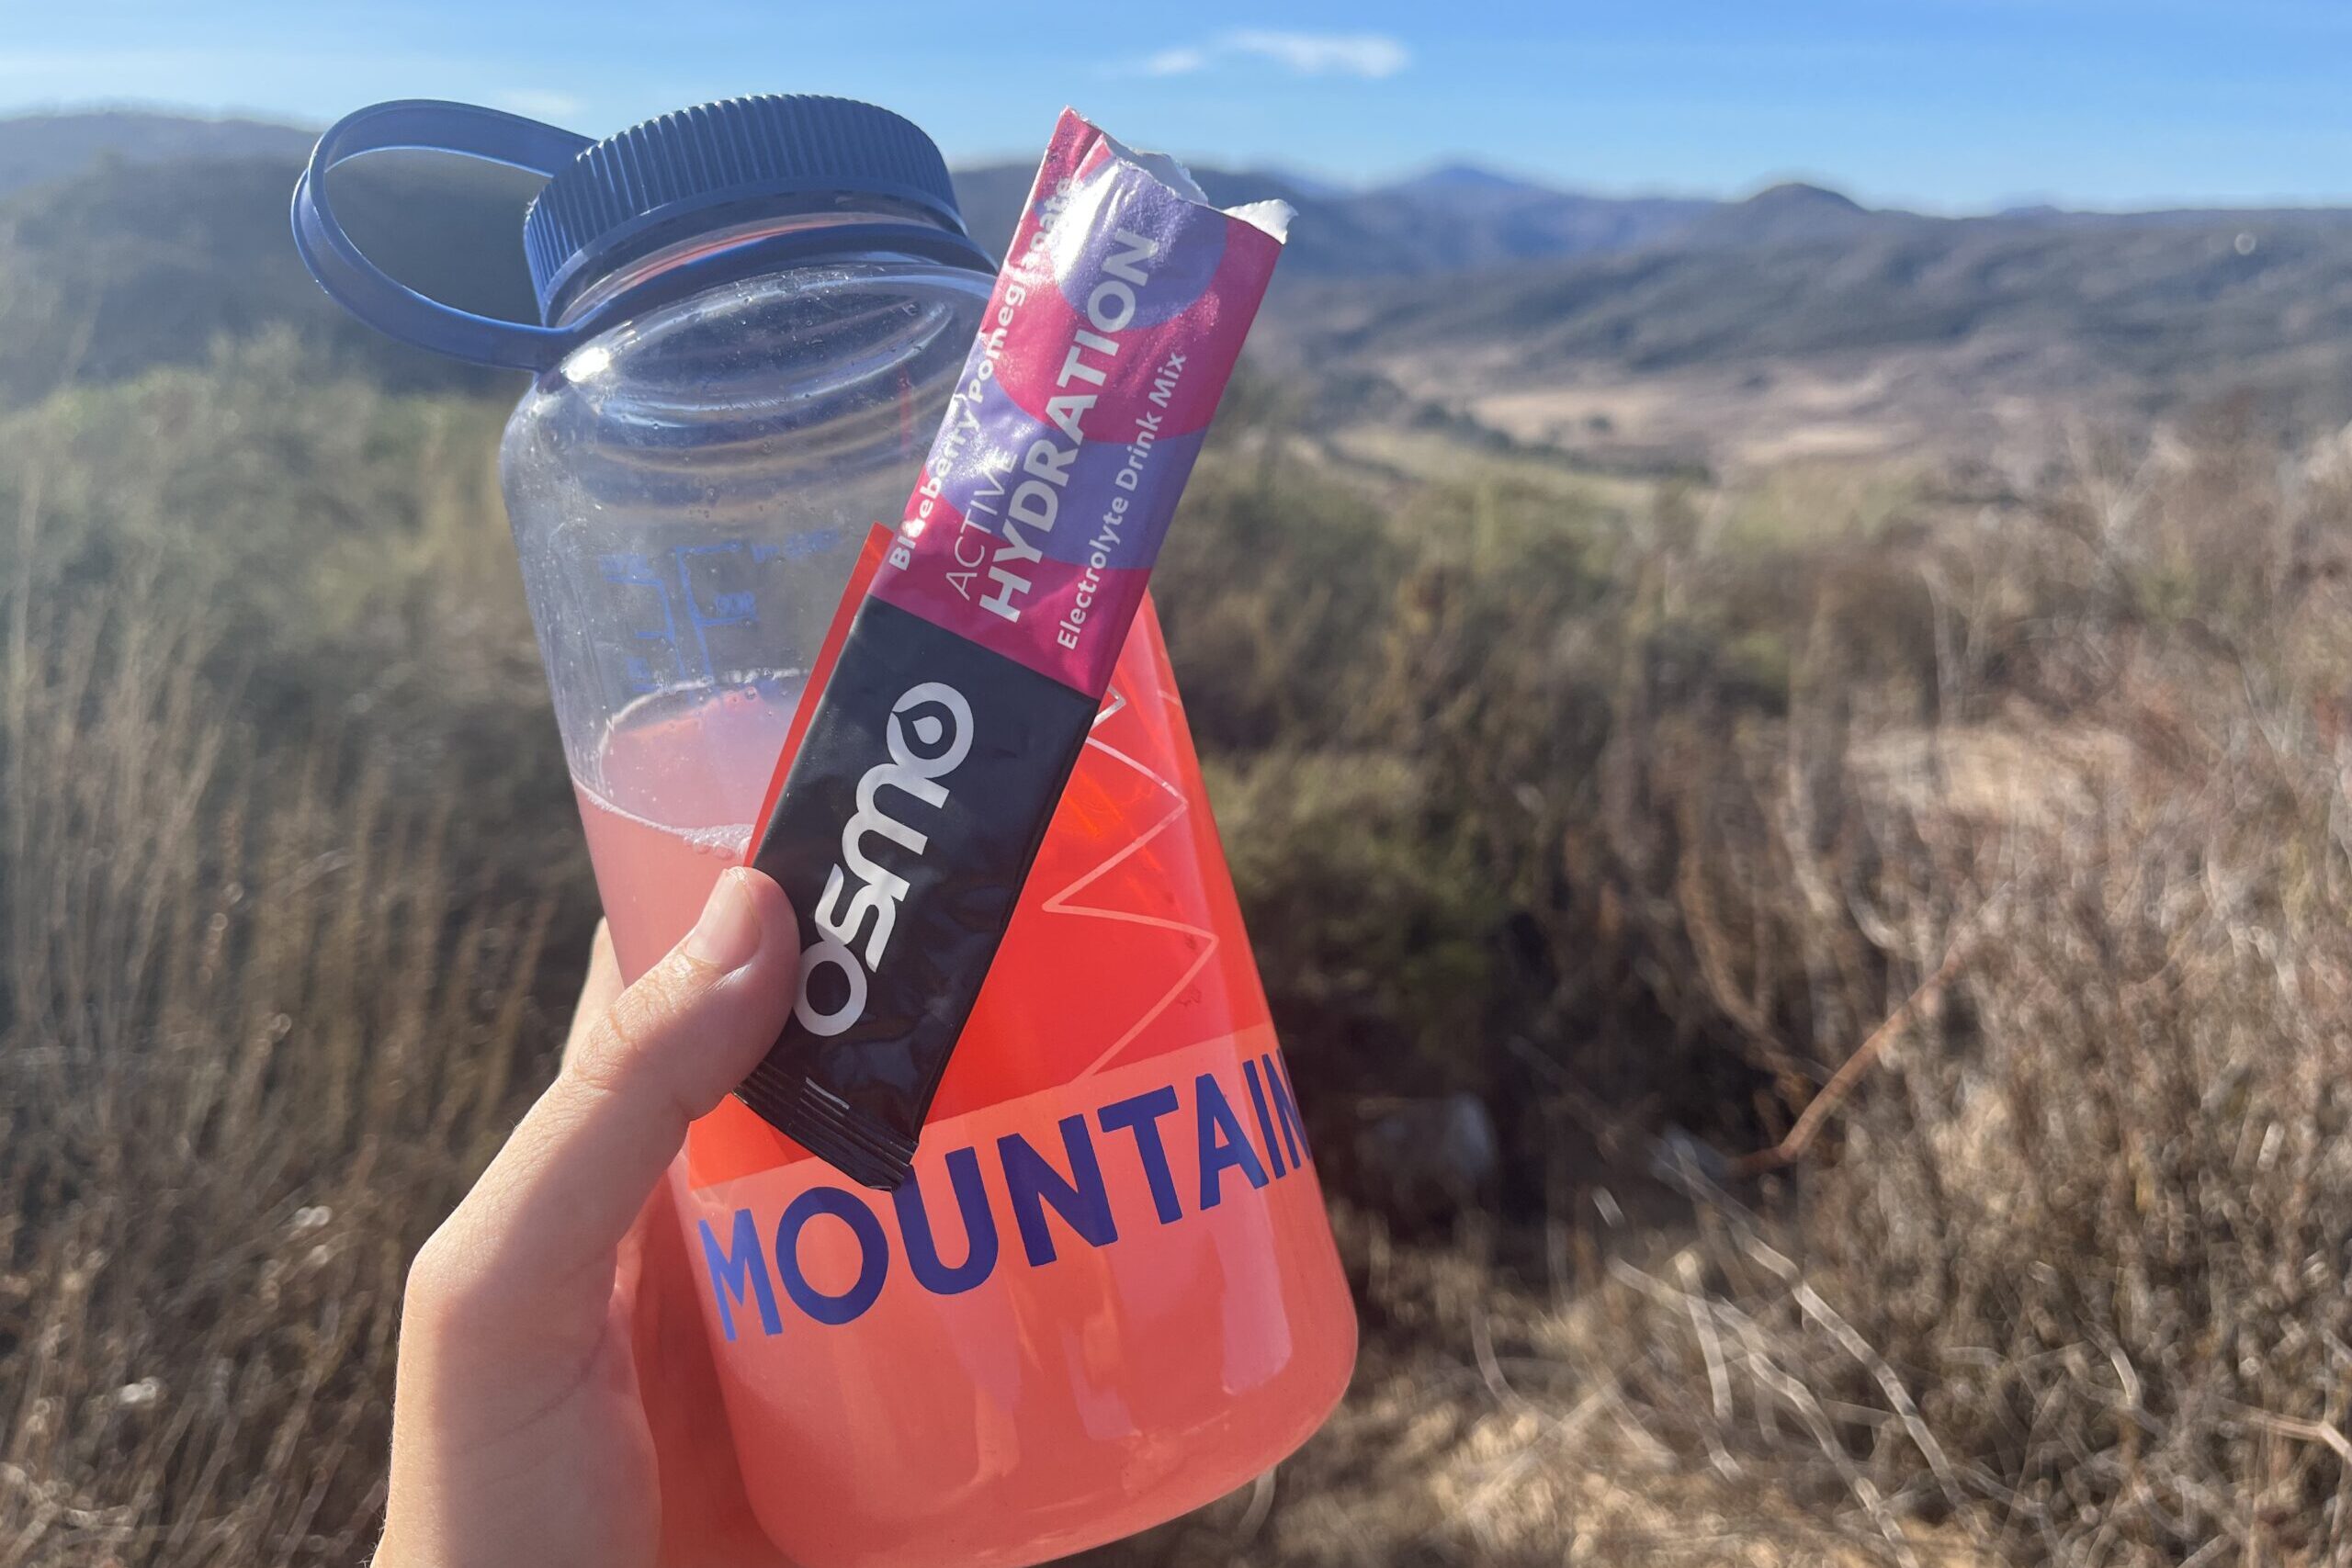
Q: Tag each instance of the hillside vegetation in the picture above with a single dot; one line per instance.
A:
(1624, 812)
(1894, 915)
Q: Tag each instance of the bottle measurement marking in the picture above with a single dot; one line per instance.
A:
(678, 606)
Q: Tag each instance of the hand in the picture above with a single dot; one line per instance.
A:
(521, 1430)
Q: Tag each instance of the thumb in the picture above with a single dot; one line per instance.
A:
(557, 1201)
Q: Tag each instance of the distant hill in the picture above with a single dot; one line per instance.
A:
(35, 149)
(1463, 180)
(2152, 298)
(129, 264)
(1785, 213)
(1455, 220)
(129, 239)
(1491, 219)
(1890, 334)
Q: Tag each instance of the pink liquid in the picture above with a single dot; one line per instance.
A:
(1058, 1401)
(681, 779)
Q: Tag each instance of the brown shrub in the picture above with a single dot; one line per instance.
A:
(2075, 1278)
(1629, 822)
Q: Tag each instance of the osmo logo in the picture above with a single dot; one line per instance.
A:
(939, 721)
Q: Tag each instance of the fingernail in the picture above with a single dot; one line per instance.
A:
(728, 932)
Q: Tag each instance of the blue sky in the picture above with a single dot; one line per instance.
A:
(1944, 104)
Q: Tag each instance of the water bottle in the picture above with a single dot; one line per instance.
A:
(1108, 1294)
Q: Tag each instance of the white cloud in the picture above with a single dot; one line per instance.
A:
(1371, 56)
(1175, 61)
(539, 102)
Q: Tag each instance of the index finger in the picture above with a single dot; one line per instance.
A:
(599, 988)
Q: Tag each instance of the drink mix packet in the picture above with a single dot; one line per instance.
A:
(909, 815)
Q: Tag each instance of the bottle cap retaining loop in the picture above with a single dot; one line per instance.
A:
(373, 295)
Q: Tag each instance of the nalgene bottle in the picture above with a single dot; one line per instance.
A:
(1108, 1291)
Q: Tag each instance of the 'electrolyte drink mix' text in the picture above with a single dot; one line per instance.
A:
(1102, 1290)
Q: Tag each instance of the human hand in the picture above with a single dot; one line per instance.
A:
(521, 1431)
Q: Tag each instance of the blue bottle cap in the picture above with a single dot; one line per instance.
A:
(610, 203)
(719, 165)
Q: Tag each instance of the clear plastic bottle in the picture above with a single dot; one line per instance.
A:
(1109, 1293)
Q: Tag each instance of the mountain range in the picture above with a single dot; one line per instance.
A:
(1649, 324)
(1453, 218)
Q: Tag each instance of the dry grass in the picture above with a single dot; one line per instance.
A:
(2075, 1284)
(1621, 814)
(2070, 1279)
(257, 1029)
